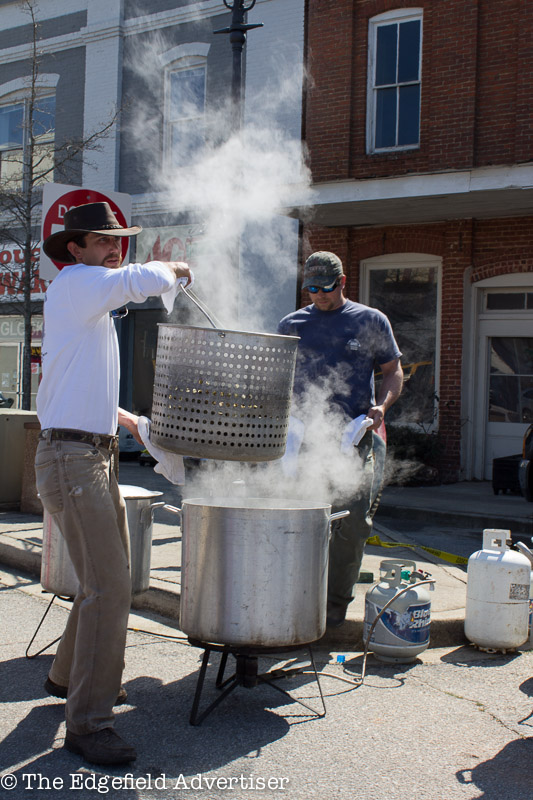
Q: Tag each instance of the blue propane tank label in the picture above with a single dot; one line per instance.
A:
(410, 626)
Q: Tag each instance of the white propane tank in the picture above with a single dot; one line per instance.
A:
(402, 632)
(524, 549)
(497, 594)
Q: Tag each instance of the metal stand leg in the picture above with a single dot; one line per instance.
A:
(246, 674)
(49, 606)
(277, 674)
(194, 718)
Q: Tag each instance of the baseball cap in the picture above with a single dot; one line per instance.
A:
(322, 269)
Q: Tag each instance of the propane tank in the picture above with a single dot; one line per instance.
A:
(402, 632)
(524, 549)
(497, 594)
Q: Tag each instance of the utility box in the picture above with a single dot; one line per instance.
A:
(12, 453)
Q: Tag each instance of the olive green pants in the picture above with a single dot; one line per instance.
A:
(349, 534)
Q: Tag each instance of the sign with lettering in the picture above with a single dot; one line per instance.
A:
(12, 273)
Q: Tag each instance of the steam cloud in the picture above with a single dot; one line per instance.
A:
(235, 188)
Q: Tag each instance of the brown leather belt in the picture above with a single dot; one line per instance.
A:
(69, 435)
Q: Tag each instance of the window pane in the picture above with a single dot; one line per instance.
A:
(497, 301)
(44, 118)
(187, 93)
(409, 115)
(43, 163)
(187, 139)
(386, 118)
(510, 355)
(409, 57)
(409, 298)
(503, 399)
(11, 167)
(529, 303)
(386, 54)
(11, 126)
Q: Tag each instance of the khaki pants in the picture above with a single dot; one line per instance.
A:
(76, 487)
(349, 535)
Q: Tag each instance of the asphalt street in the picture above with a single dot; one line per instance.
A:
(454, 724)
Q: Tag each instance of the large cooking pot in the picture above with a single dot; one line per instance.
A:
(222, 394)
(57, 571)
(254, 571)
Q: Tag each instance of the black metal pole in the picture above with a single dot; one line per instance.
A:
(237, 36)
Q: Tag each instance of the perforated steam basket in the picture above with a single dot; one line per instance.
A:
(222, 394)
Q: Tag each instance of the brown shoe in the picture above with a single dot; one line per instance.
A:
(56, 690)
(100, 747)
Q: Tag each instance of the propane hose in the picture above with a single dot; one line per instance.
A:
(296, 670)
(361, 680)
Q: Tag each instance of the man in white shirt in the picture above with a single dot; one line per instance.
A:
(77, 406)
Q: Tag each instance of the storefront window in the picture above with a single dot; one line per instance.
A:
(409, 298)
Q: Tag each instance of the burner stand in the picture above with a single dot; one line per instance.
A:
(246, 674)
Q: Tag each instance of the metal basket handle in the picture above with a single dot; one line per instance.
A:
(198, 303)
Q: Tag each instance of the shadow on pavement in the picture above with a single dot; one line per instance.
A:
(469, 656)
(508, 774)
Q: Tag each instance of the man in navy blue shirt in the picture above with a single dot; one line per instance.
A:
(341, 343)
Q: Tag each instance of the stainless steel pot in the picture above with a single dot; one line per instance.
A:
(254, 571)
(57, 571)
(222, 394)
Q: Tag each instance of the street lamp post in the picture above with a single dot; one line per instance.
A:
(237, 36)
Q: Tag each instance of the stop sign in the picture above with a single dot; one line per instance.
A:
(57, 199)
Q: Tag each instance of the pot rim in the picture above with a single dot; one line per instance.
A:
(256, 503)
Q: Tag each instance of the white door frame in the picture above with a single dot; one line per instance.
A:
(477, 324)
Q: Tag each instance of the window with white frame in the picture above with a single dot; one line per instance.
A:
(406, 287)
(394, 80)
(23, 124)
(185, 110)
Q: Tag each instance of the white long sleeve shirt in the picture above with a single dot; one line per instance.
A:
(80, 356)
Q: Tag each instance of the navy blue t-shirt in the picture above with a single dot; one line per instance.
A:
(341, 347)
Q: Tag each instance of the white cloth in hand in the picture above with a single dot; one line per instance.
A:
(295, 435)
(170, 465)
(169, 296)
(354, 432)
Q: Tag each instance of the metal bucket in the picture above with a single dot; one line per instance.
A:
(57, 571)
(254, 574)
(222, 394)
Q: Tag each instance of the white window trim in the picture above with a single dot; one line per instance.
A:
(184, 56)
(398, 15)
(17, 90)
(406, 261)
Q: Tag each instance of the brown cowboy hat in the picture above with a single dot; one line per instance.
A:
(89, 218)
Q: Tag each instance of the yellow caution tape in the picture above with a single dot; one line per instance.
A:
(453, 559)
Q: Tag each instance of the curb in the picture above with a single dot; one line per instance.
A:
(447, 628)
(461, 519)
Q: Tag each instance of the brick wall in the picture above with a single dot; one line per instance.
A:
(491, 247)
(476, 87)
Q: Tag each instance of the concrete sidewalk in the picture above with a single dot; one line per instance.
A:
(468, 503)
(472, 504)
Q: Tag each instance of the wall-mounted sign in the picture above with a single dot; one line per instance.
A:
(12, 273)
(176, 243)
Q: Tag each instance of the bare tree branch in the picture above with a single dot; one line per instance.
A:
(22, 174)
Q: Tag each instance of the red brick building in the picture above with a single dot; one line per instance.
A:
(420, 137)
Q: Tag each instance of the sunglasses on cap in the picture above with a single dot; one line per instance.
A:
(325, 289)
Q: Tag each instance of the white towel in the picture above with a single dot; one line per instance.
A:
(295, 435)
(169, 296)
(170, 465)
(354, 432)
